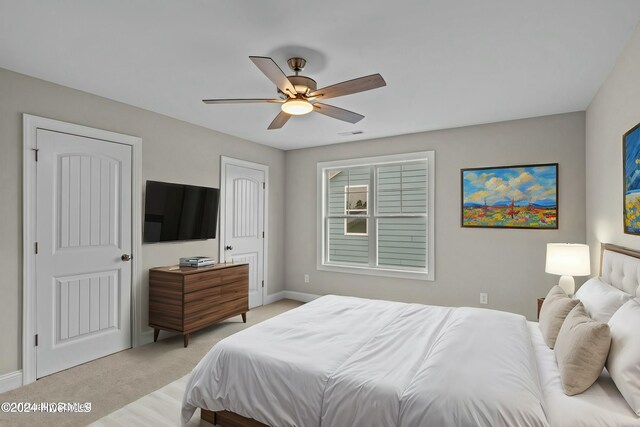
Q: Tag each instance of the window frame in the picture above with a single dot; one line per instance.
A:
(323, 262)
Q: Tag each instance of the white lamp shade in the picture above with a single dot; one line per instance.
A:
(568, 259)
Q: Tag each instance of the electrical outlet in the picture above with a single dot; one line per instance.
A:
(484, 298)
(306, 278)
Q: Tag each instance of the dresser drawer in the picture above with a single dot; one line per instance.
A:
(203, 294)
(231, 291)
(206, 317)
(196, 282)
(235, 274)
(200, 302)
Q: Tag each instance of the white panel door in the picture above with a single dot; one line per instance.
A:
(244, 224)
(83, 220)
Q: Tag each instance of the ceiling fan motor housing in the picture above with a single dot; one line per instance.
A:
(303, 84)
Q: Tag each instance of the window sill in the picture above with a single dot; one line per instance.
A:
(381, 272)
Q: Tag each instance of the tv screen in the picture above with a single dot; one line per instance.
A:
(179, 212)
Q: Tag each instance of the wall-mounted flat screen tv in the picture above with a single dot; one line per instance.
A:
(179, 212)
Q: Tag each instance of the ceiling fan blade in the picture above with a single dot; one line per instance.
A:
(361, 84)
(275, 74)
(337, 113)
(240, 101)
(279, 121)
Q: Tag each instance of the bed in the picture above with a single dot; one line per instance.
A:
(343, 361)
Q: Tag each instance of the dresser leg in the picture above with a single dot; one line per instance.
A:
(156, 332)
(186, 340)
(244, 317)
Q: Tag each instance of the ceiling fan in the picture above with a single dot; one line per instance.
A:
(299, 95)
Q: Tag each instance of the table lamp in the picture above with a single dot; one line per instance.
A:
(568, 260)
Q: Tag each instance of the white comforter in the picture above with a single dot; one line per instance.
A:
(342, 361)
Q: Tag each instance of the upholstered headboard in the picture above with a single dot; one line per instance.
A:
(620, 267)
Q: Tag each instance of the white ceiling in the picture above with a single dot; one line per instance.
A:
(446, 63)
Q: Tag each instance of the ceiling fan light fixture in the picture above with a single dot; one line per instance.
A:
(297, 107)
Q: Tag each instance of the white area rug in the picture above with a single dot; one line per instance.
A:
(159, 409)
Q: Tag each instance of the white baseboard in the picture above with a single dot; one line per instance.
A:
(146, 337)
(10, 381)
(274, 297)
(294, 295)
(300, 296)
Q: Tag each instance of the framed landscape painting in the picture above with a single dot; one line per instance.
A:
(524, 196)
(631, 172)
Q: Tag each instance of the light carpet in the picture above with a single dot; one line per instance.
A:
(159, 409)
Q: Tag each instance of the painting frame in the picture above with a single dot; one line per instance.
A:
(556, 167)
(633, 132)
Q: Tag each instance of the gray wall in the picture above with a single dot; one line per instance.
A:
(508, 264)
(173, 151)
(614, 110)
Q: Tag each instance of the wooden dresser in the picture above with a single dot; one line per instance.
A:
(186, 299)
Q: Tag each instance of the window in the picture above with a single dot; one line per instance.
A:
(355, 204)
(376, 215)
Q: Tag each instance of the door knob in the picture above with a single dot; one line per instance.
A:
(126, 257)
(229, 247)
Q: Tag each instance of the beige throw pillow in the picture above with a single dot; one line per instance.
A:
(581, 350)
(555, 308)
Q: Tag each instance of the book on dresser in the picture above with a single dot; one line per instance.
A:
(186, 299)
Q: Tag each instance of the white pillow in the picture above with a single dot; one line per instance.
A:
(623, 362)
(600, 299)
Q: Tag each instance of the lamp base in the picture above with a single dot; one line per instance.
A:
(568, 285)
